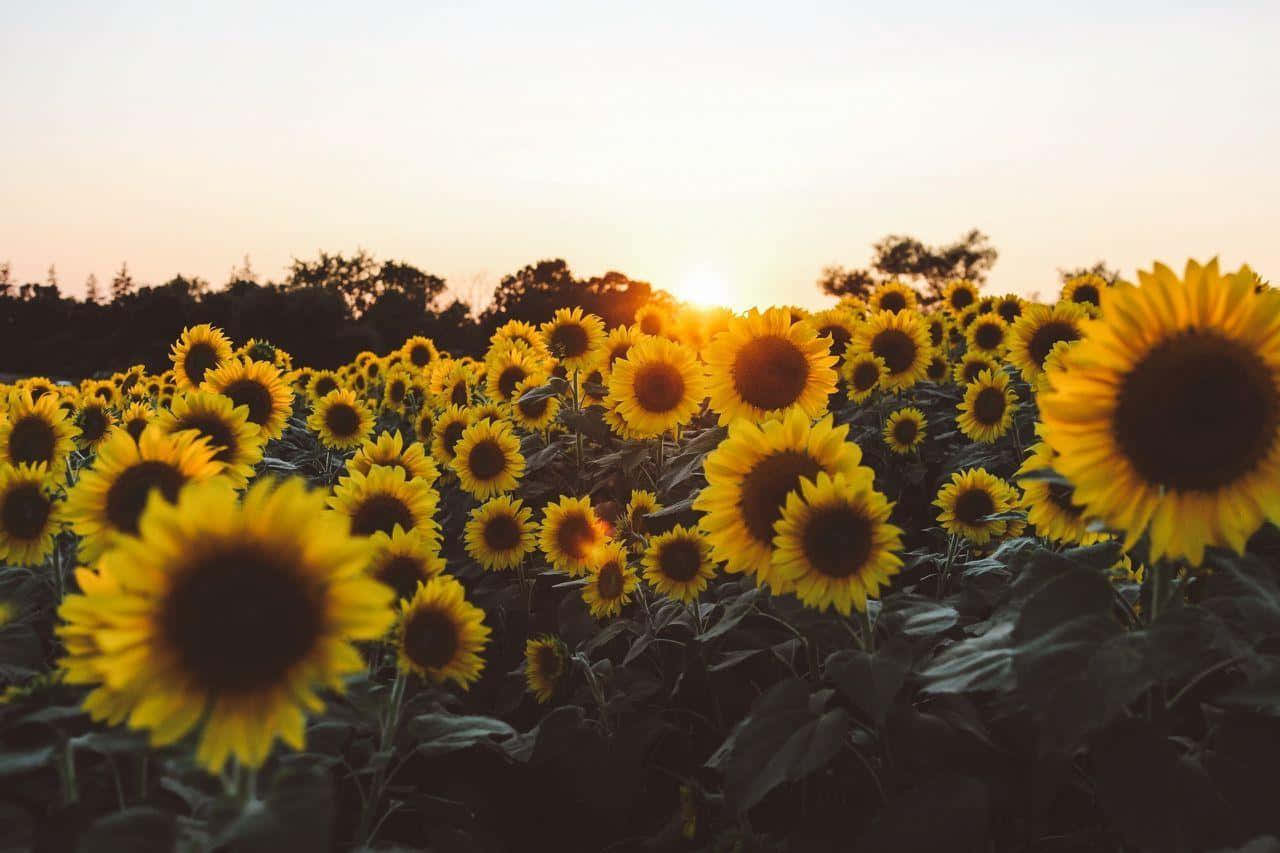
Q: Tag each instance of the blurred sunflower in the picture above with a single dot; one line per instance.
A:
(610, 581)
(657, 387)
(862, 372)
(986, 412)
(574, 338)
(987, 334)
(395, 390)
(236, 443)
(384, 499)
(95, 420)
(938, 324)
(959, 295)
(258, 385)
(447, 432)
(101, 390)
(838, 325)
(678, 563)
(971, 496)
(423, 426)
(1085, 291)
(341, 420)
(1051, 505)
(499, 533)
(570, 533)
(420, 351)
(536, 413)
(403, 560)
(545, 662)
(198, 350)
(652, 319)
(617, 343)
(487, 459)
(441, 635)
(38, 386)
(972, 366)
(893, 296)
(900, 340)
(639, 505)
(30, 518)
(1009, 307)
(938, 369)
(490, 411)
(1038, 329)
(904, 430)
(389, 449)
(136, 418)
(519, 333)
(36, 431)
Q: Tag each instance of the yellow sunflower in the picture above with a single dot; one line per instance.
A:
(1037, 330)
(258, 385)
(838, 325)
(38, 386)
(384, 499)
(395, 390)
(834, 544)
(1051, 506)
(938, 369)
(95, 419)
(574, 338)
(505, 371)
(536, 413)
(610, 581)
(904, 430)
(420, 351)
(198, 350)
(321, 383)
(136, 418)
(341, 420)
(102, 390)
(36, 431)
(678, 563)
(236, 443)
(487, 459)
(657, 387)
(403, 560)
(499, 533)
(30, 517)
(229, 616)
(451, 384)
(617, 343)
(441, 635)
(389, 449)
(987, 334)
(862, 373)
(901, 341)
(447, 432)
(652, 319)
(518, 333)
(1009, 307)
(545, 662)
(570, 533)
(108, 499)
(765, 366)
(972, 366)
(1085, 291)
(424, 425)
(959, 295)
(639, 505)
(986, 412)
(1166, 418)
(968, 499)
(893, 296)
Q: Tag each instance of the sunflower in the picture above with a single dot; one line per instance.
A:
(938, 369)
(499, 534)
(574, 338)
(987, 334)
(237, 444)
(108, 499)
(570, 533)
(959, 295)
(545, 662)
(441, 635)
(657, 387)
(1009, 307)
(487, 459)
(750, 474)
(136, 418)
(229, 616)
(834, 545)
(970, 497)
(893, 296)
(36, 431)
(986, 412)
(390, 449)
(536, 413)
(1054, 365)
(617, 343)
(900, 340)
(766, 365)
(641, 504)
(505, 371)
(102, 390)
(678, 563)
(1038, 329)
(321, 383)
(862, 372)
(518, 333)
(300, 379)
(29, 516)
(1166, 418)
(837, 324)
(610, 581)
(938, 324)
(651, 319)
(341, 420)
(904, 430)
(1051, 505)
(423, 426)
(972, 366)
(451, 384)
(95, 419)
(420, 351)
(494, 412)
(258, 385)
(198, 350)
(447, 432)
(395, 390)
(38, 386)
(1085, 291)
(403, 560)
(384, 499)
(373, 370)
(594, 389)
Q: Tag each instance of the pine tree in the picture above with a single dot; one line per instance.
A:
(91, 293)
(122, 284)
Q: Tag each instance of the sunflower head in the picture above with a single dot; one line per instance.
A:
(137, 417)
(507, 368)
(968, 499)
(862, 373)
(95, 419)
(545, 663)
(30, 517)
(570, 533)
(1033, 336)
(420, 351)
(657, 387)
(237, 443)
(901, 341)
(257, 385)
(390, 449)
(838, 325)
(403, 560)
(1085, 291)
(639, 505)
(35, 432)
(959, 295)
(321, 383)
(538, 411)
(573, 337)
(987, 334)
(499, 533)
(986, 412)
(341, 419)
(487, 459)
(384, 500)
(441, 635)
(610, 580)
(447, 432)
(651, 319)
(972, 366)
(678, 563)
(904, 430)
(893, 296)
(1009, 307)
(1051, 505)
(198, 350)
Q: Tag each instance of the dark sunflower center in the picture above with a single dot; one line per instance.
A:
(569, 340)
(988, 335)
(127, 496)
(381, 513)
(420, 355)
(201, 358)
(452, 435)
(486, 460)
(1199, 412)
(680, 559)
(459, 395)
(974, 505)
(839, 337)
(937, 368)
(575, 536)
(618, 352)
(1087, 293)
(973, 368)
(396, 391)
(135, 427)
(837, 541)
(896, 348)
(865, 375)
(218, 431)
(935, 333)
(501, 533)
(105, 393)
(247, 392)
(31, 440)
(905, 431)
(1063, 497)
(373, 369)
(510, 377)
(425, 426)
(342, 420)
(548, 663)
(430, 638)
(961, 298)
(93, 424)
(1048, 335)
(325, 384)
(770, 372)
(989, 406)
(402, 573)
(893, 300)
(1010, 310)
(609, 581)
(240, 620)
(25, 512)
(38, 391)
(659, 387)
(651, 324)
(764, 490)
(534, 409)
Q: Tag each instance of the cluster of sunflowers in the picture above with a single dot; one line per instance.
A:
(224, 533)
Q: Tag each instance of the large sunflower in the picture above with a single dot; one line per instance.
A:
(1166, 418)
(499, 533)
(237, 444)
(198, 350)
(904, 430)
(610, 581)
(545, 662)
(574, 338)
(617, 343)
(390, 449)
(640, 504)
(487, 459)
(749, 476)
(972, 366)
(1051, 505)
(1009, 307)
(657, 387)
(258, 385)
(384, 499)
(403, 560)
(766, 365)
(862, 373)
(678, 563)
(834, 544)
(341, 420)
(1037, 330)
(506, 369)
(838, 324)
(321, 383)
(30, 517)
(968, 499)
(986, 412)
(652, 319)
(447, 432)
(108, 499)
(441, 635)
(36, 431)
(901, 341)
(959, 295)
(570, 533)
(893, 296)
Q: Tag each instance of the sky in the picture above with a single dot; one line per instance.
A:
(724, 151)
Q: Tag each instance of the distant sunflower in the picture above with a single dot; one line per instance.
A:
(424, 425)
(227, 615)
(384, 499)
(506, 370)
(574, 338)
(545, 662)
(236, 443)
(1167, 416)
(834, 544)
(373, 370)
(639, 505)
(938, 369)
(904, 430)
(341, 420)
(893, 296)
(959, 295)
(617, 343)
(902, 341)
(986, 412)
(749, 476)
(395, 390)
(570, 533)
(321, 383)
(652, 319)
(657, 387)
(972, 366)
(862, 372)
(970, 497)
(136, 418)
(764, 365)
(987, 334)
(610, 581)
(1085, 291)
(389, 449)
(403, 560)
(198, 350)
(441, 635)
(536, 413)
(447, 432)
(1009, 307)
(938, 324)
(518, 333)
(1038, 329)
(487, 459)
(420, 351)
(102, 390)
(1051, 505)
(499, 533)
(108, 499)
(36, 432)
(490, 411)
(678, 563)
(451, 384)
(837, 324)
(300, 379)
(29, 516)
(38, 386)
(258, 385)
(95, 419)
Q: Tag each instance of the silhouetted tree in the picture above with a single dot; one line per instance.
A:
(121, 283)
(6, 279)
(1099, 269)
(361, 280)
(903, 257)
(535, 292)
(51, 277)
(91, 293)
(838, 281)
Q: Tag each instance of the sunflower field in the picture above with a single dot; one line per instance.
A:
(973, 574)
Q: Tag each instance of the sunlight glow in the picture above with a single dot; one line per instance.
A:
(706, 287)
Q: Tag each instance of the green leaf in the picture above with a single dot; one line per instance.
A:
(13, 762)
(870, 681)
(734, 612)
(441, 733)
(917, 616)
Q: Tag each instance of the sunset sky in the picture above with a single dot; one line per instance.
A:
(738, 145)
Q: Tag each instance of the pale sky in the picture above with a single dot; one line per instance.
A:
(749, 143)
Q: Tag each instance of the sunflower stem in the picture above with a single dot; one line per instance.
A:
(394, 703)
(67, 773)
(866, 630)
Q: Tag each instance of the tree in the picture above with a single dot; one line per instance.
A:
(362, 280)
(537, 291)
(838, 281)
(91, 293)
(121, 283)
(904, 257)
(244, 272)
(51, 278)
(6, 279)
(194, 286)
(1099, 269)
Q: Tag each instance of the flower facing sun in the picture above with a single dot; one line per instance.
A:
(904, 430)
(199, 349)
(237, 444)
(570, 533)
(403, 560)
(499, 533)
(30, 517)
(545, 662)
(573, 337)
(384, 499)
(678, 563)
(487, 459)
(1032, 337)
(35, 432)
(341, 420)
(390, 450)
(901, 341)
(1051, 505)
(441, 635)
(659, 385)
(986, 412)
(967, 500)
(610, 581)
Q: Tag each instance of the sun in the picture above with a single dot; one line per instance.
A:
(705, 286)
